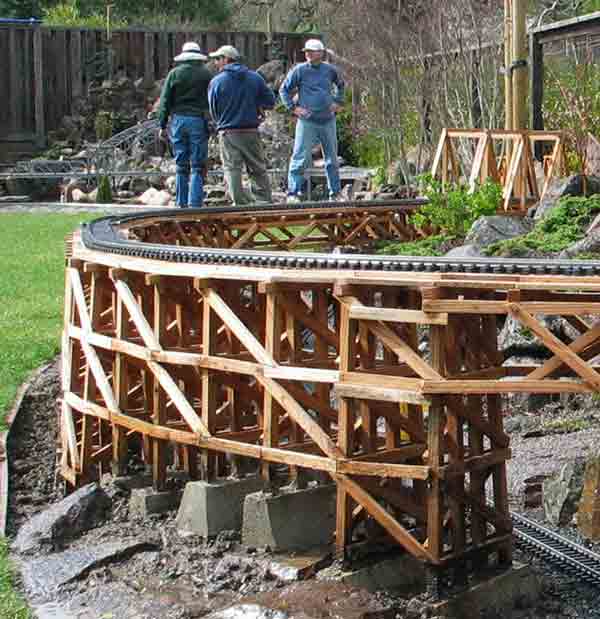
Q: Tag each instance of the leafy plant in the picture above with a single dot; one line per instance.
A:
(453, 210)
(562, 227)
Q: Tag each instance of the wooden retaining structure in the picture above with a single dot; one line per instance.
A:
(390, 383)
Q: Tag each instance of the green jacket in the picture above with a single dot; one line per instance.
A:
(185, 91)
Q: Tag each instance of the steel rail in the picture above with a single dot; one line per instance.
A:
(573, 557)
(103, 235)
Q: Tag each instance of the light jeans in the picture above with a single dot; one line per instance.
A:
(189, 136)
(308, 134)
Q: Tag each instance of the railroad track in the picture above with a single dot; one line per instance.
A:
(542, 542)
(105, 235)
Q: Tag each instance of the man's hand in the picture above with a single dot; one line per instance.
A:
(301, 112)
(163, 134)
(335, 108)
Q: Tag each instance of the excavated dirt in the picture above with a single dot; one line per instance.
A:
(186, 577)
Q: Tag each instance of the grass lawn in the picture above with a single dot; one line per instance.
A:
(31, 297)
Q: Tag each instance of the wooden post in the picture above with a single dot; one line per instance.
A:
(38, 76)
(159, 398)
(536, 119)
(508, 93)
(519, 63)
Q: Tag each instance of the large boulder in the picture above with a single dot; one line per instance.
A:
(465, 251)
(562, 493)
(516, 340)
(588, 244)
(494, 228)
(567, 186)
(49, 530)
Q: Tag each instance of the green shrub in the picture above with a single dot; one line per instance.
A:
(69, 14)
(104, 191)
(565, 225)
(453, 210)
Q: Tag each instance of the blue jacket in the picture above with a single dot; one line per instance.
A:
(236, 95)
(314, 85)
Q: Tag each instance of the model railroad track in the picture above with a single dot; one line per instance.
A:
(106, 235)
(567, 555)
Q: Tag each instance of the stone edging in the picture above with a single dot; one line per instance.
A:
(4, 435)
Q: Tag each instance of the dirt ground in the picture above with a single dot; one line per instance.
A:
(186, 577)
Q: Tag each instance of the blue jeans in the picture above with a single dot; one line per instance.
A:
(308, 134)
(189, 135)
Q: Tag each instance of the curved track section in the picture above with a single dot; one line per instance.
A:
(106, 235)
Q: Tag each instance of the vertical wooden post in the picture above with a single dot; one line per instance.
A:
(149, 75)
(508, 87)
(271, 409)
(159, 398)
(348, 332)
(519, 63)
(209, 388)
(76, 67)
(435, 433)
(38, 76)
(119, 435)
(536, 114)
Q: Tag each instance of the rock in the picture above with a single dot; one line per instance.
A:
(248, 611)
(154, 197)
(77, 195)
(465, 251)
(516, 340)
(50, 529)
(567, 186)
(93, 195)
(561, 494)
(588, 244)
(272, 72)
(43, 576)
(138, 184)
(488, 230)
(170, 186)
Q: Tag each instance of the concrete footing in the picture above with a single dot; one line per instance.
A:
(209, 508)
(291, 520)
(494, 596)
(394, 573)
(146, 501)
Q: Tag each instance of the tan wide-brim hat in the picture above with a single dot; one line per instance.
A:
(190, 51)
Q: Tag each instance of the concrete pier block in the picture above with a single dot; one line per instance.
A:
(401, 571)
(209, 508)
(146, 501)
(494, 596)
(290, 520)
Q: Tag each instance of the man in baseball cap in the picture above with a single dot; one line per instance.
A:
(226, 51)
(314, 92)
(236, 97)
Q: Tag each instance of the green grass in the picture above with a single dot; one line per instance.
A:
(11, 604)
(31, 295)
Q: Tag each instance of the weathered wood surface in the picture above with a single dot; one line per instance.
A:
(314, 370)
(67, 60)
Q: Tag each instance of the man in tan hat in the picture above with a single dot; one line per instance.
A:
(184, 99)
(236, 97)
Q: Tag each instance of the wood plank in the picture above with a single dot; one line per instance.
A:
(570, 358)
(363, 392)
(389, 314)
(396, 530)
(383, 469)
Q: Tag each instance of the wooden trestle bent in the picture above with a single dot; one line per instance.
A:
(192, 367)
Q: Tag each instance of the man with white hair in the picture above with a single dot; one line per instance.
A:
(314, 92)
(184, 98)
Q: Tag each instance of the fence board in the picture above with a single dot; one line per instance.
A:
(48, 67)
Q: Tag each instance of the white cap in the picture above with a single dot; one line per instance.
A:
(190, 51)
(226, 51)
(313, 45)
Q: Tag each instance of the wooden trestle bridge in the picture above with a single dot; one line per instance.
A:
(194, 338)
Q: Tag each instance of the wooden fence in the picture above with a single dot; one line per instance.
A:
(47, 68)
